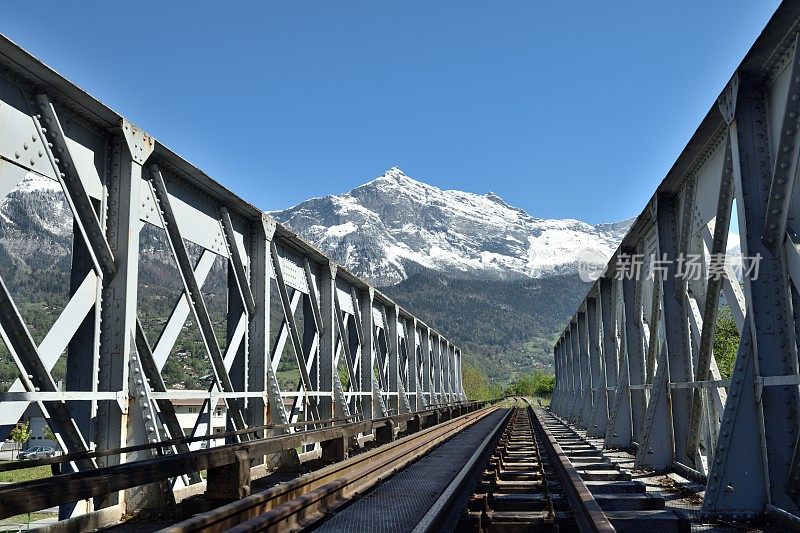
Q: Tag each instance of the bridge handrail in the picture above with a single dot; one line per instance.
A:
(29, 496)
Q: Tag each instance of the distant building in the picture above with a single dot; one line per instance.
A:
(188, 410)
(34, 416)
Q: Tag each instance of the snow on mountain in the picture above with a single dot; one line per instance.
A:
(386, 228)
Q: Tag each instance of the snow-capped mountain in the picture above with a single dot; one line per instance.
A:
(387, 228)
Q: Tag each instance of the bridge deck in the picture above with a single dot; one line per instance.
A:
(397, 504)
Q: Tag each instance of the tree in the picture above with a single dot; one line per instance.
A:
(476, 385)
(539, 383)
(48, 434)
(21, 434)
(726, 342)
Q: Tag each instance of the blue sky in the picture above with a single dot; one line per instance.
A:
(566, 109)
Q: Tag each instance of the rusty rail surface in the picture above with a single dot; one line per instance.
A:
(588, 514)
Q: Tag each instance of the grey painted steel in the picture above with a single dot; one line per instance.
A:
(596, 426)
(713, 287)
(773, 350)
(609, 339)
(676, 321)
(577, 378)
(560, 382)
(739, 436)
(785, 168)
(586, 373)
(116, 180)
(634, 356)
(619, 430)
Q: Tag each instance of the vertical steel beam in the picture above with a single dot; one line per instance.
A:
(436, 369)
(453, 374)
(609, 343)
(556, 373)
(569, 366)
(369, 407)
(118, 316)
(756, 419)
(412, 342)
(460, 375)
(676, 331)
(457, 373)
(594, 427)
(634, 355)
(327, 344)
(558, 379)
(448, 371)
(713, 287)
(586, 373)
(561, 377)
(619, 432)
(440, 362)
(425, 353)
(577, 383)
(393, 341)
(259, 327)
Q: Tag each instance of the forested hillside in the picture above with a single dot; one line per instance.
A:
(506, 328)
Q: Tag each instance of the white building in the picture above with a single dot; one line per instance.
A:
(188, 412)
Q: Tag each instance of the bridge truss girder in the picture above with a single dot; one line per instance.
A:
(355, 353)
(652, 336)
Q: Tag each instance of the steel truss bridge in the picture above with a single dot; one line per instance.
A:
(635, 366)
(375, 405)
(117, 179)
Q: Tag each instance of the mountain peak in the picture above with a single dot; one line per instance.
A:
(395, 172)
(396, 175)
(388, 228)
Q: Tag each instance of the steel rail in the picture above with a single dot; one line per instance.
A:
(441, 516)
(588, 514)
(460, 508)
(298, 503)
(539, 453)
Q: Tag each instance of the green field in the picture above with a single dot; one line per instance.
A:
(26, 474)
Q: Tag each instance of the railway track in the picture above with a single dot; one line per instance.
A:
(525, 470)
(514, 491)
(543, 476)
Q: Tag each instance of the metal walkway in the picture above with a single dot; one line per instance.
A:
(397, 504)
